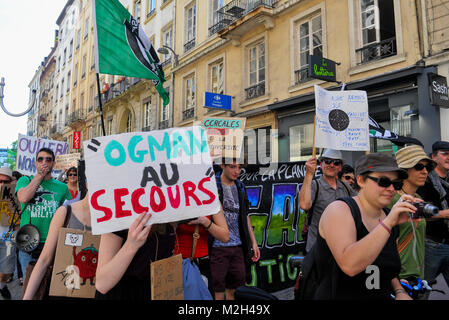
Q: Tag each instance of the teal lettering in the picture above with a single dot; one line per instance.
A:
(178, 140)
(114, 145)
(152, 143)
(133, 155)
(202, 146)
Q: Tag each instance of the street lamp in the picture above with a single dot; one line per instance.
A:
(164, 50)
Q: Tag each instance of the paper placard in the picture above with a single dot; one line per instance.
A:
(224, 136)
(166, 279)
(341, 120)
(8, 204)
(167, 173)
(75, 264)
(65, 161)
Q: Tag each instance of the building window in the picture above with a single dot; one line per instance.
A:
(190, 27)
(137, 8)
(256, 71)
(151, 7)
(69, 83)
(71, 49)
(217, 77)
(189, 97)
(215, 17)
(301, 142)
(129, 123)
(147, 114)
(78, 38)
(64, 57)
(62, 87)
(376, 32)
(75, 75)
(81, 102)
(257, 146)
(83, 69)
(167, 40)
(86, 28)
(309, 42)
(91, 97)
(401, 123)
(109, 129)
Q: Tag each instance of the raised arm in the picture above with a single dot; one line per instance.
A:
(114, 259)
(305, 194)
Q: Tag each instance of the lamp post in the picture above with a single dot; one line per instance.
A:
(164, 50)
(2, 84)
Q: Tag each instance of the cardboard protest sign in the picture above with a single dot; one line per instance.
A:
(166, 279)
(75, 264)
(27, 148)
(341, 120)
(9, 205)
(224, 136)
(167, 173)
(65, 161)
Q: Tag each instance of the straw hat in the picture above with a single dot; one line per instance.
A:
(409, 156)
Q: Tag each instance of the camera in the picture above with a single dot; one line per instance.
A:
(424, 210)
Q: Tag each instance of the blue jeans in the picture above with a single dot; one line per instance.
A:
(24, 259)
(436, 260)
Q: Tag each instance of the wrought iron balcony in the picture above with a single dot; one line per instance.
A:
(189, 45)
(302, 75)
(377, 51)
(148, 128)
(235, 10)
(76, 116)
(255, 91)
(163, 124)
(54, 129)
(188, 113)
(166, 62)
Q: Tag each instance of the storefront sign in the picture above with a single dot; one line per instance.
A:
(322, 68)
(76, 139)
(218, 101)
(438, 91)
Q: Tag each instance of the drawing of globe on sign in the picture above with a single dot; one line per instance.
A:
(338, 119)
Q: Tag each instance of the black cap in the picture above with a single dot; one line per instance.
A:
(379, 162)
(440, 145)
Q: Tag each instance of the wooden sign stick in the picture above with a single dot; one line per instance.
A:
(313, 147)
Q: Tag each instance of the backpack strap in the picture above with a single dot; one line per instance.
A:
(67, 216)
(355, 211)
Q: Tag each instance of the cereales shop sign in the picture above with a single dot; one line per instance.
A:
(438, 91)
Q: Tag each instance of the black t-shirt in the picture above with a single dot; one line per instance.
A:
(135, 283)
(437, 228)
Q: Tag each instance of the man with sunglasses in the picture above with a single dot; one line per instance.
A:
(329, 188)
(40, 196)
(436, 192)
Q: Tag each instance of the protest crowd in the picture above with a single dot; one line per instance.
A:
(387, 214)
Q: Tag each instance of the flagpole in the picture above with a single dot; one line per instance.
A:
(100, 104)
(313, 147)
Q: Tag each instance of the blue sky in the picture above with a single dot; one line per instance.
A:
(26, 37)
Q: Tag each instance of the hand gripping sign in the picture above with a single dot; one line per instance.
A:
(167, 173)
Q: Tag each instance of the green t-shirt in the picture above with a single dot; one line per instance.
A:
(411, 266)
(50, 195)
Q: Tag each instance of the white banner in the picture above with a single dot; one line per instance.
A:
(167, 173)
(27, 148)
(341, 120)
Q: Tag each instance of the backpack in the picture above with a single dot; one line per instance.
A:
(308, 280)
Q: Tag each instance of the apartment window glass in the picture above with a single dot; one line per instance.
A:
(216, 4)
(165, 110)
(82, 101)
(78, 38)
(309, 35)
(217, 78)
(71, 49)
(75, 75)
(86, 28)
(69, 83)
(83, 70)
(109, 132)
(62, 87)
(190, 23)
(151, 6)
(147, 114)
(129, 123)
(257, 64)
(167, 40)
(189, 87)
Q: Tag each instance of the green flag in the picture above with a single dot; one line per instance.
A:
(123, 48)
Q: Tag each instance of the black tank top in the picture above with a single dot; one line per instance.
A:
(358, 287)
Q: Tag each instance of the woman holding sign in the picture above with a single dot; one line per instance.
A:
(75, 216)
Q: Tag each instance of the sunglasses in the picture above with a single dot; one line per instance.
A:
(336, 162)
(348, 178)
(420, 167)
(72, 174)
(47, 159)
(384, 182)
(5, 181)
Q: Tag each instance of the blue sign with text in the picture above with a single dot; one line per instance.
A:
(218, 101)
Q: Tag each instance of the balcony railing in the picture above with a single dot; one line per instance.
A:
(166, 62)
(236, 9)
(188, 113)
(302, 75)
(163, 124)
(148, 128)
(189, 45)
(377, 51)
(54, 129)
(76, 116)
(255, 91)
